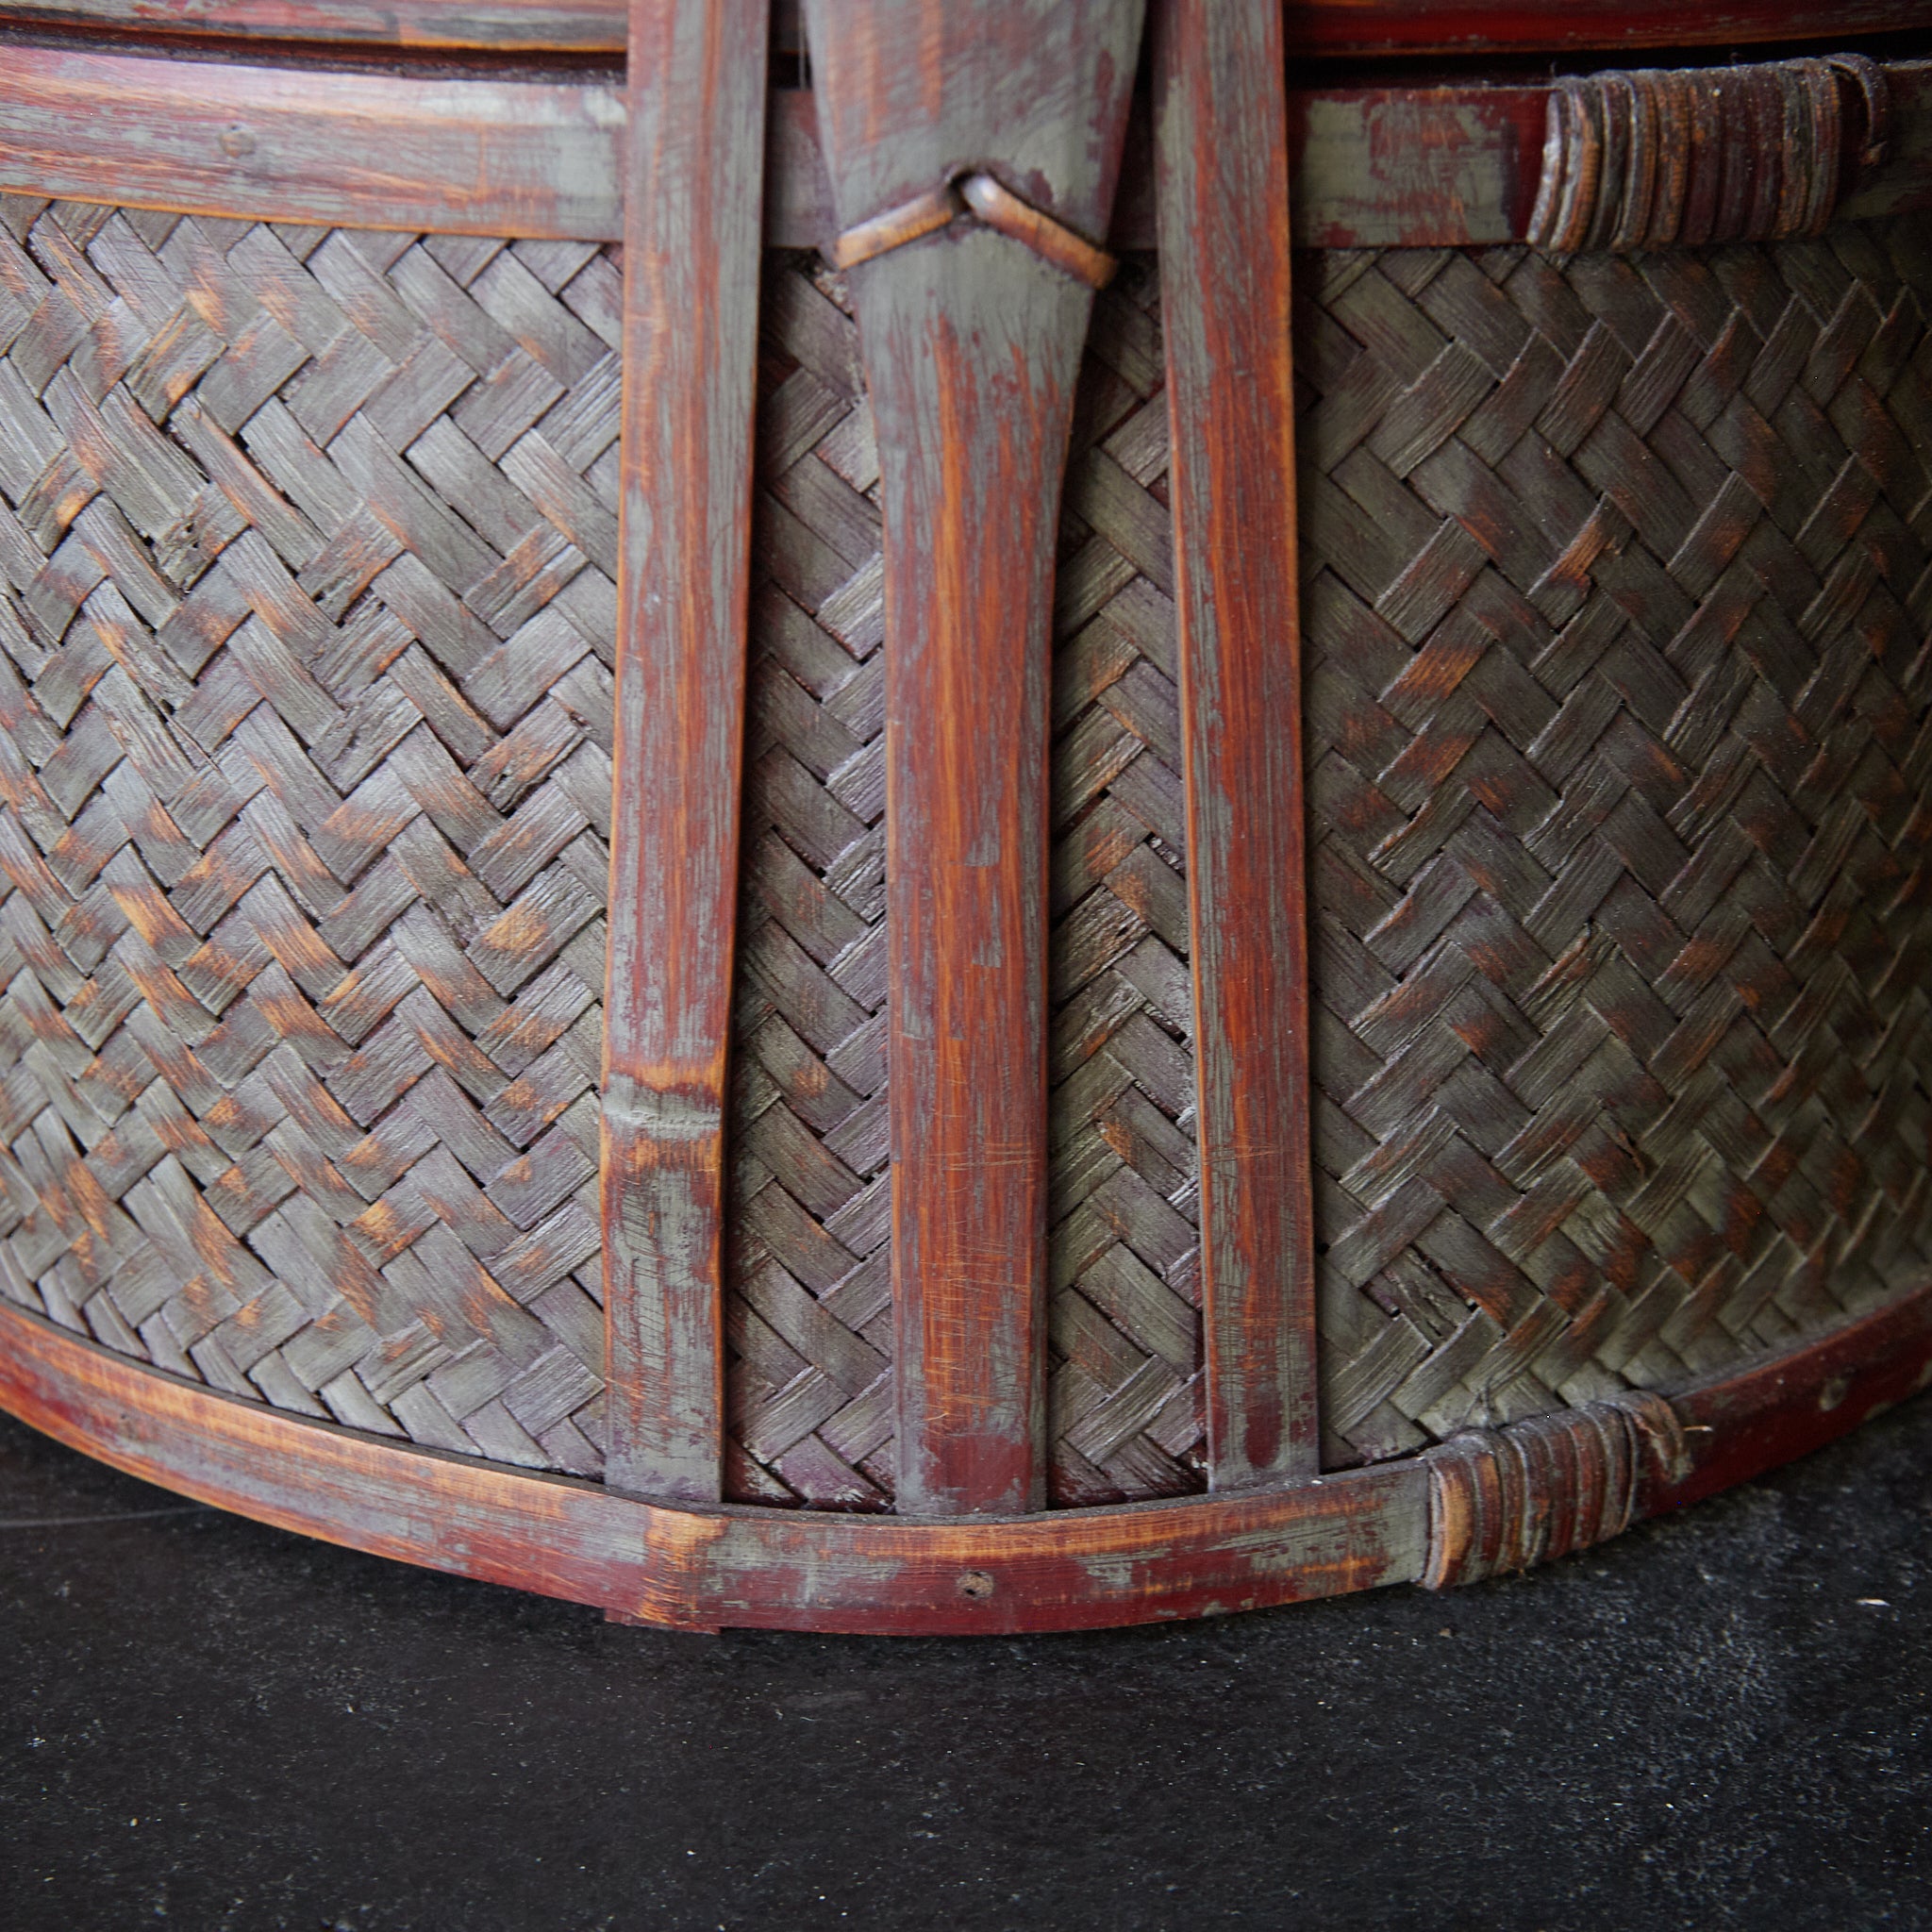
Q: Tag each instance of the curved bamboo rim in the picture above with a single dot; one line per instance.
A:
(707, 1568)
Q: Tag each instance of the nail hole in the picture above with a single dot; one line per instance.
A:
(975, 1583)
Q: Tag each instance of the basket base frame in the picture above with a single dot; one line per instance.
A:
(714, 1568)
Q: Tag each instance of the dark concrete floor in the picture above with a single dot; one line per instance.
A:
(1722, 1720)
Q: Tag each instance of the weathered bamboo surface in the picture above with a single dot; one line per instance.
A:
(1798, 368)
(956, 1077)
(809, 1396)
(307, 548)
(970, 341)
(1126, 1388)
(1370, 166)
(693, 1569)
(1615, 608)
(1226, 247)
(358, 149)
(810, 1408)
(690, 352)
(488, 27)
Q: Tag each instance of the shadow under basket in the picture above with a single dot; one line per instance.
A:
(739, 883)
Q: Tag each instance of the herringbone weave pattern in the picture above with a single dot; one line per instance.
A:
(1127, 1414)
(809, 1399)
(1616, 597)
(1620, 770)
(306, 604)
(809, 1394)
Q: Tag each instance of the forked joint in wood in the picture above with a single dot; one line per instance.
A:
(698, 102)
(985, 196)
(971, 350)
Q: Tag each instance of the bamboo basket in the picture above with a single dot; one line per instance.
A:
(863, 829)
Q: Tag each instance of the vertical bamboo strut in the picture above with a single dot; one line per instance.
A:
(1220, 137)
(691, 238)
(972, 343)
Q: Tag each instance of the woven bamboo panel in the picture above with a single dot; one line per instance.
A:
(305, 607)
(1126, 1401)
(809, 1386)
(1616, 599)
(809, 1320)
(1619, 746)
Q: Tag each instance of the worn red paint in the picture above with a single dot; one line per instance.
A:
(972, 344)
(1749, 1420)
(972, 355)
(690, 287)
(1313, 26)
(703, 1569)
(1224, 231)
(1370, 167)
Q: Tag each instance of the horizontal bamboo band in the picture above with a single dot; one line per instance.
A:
(1314, 27)
(1396, 166)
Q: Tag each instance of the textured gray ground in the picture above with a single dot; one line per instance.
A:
(212, 1724)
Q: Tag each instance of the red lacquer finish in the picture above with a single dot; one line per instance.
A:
(507, 27)
(1364, 28)
(1441, 165)
(1614, 27)
(1738, 1425)
(961, 161)
(971, 341)
(708, 1568)
(1224, 233)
